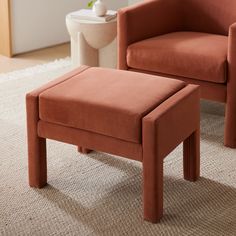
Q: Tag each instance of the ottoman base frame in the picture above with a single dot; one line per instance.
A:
(174, 121)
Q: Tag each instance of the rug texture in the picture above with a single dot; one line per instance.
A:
(101, 194)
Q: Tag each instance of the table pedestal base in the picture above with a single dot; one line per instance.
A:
(83, 54)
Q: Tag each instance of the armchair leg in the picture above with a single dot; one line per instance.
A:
(191, 156)
(230, 126)
(84, 150)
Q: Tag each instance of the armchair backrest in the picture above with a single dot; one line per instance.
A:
(211, 16)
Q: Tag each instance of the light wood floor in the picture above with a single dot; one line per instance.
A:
(34, 58)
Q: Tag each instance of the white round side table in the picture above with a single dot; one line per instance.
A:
(92, 43)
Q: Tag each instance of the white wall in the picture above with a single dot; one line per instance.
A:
(41, 23)
(134, 1)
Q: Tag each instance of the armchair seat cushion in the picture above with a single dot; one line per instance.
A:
(195, 55)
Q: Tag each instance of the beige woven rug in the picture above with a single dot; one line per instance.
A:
(99, 194)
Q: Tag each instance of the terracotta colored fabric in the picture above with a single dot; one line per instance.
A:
(216, 17)
(164, 128)
(36, 144)
(173, 115)
(157, 17)
(145, 20)
(210, 16)
(230, 122)
(106, 101)
(208, 90)
(90, 140)
(189, 54)
(158, 112)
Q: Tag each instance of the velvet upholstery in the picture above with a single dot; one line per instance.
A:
(149, 40)
(161, 114)
(209, 91)
(210, 16)
(90, 140)
(194, 55)
(118, 108)
(37, 148)
(230, 125)
(138, 22)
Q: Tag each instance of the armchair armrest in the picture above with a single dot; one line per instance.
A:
(230, 114)
(146, 20)
(232, 61)
(232, 50)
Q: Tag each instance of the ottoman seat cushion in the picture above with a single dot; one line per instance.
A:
(105, 102)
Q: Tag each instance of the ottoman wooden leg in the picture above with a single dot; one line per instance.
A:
(191, 159)
(37, 163)
(84, 150)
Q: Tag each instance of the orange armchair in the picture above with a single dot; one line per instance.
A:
(191, 40)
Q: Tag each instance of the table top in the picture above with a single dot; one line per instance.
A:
(72, 17)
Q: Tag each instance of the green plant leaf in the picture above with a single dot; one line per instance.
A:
(90, 4)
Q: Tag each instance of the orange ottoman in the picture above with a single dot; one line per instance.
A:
(134, 115)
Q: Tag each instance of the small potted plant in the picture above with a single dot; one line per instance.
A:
(98, 7)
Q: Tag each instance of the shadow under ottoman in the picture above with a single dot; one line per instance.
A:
(134, 115)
